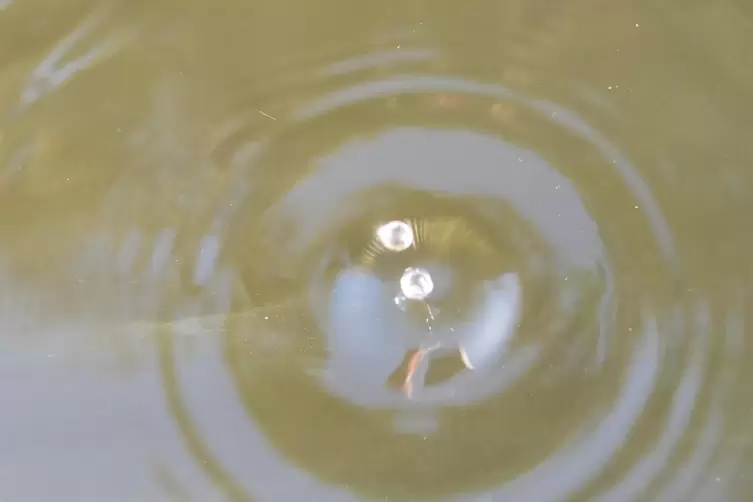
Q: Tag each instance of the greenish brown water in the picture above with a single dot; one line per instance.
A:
(195, 305)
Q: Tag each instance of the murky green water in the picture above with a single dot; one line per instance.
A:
(196, 304)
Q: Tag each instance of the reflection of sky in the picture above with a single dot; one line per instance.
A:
(72, 432)
(70, 415)
(456, 163)
(82, 405)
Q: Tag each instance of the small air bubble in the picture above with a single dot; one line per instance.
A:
(395, 235)
(416, 283)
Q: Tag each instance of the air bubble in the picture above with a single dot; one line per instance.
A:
(416, 283)
(395, 235)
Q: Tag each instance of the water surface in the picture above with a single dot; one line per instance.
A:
(196, 303)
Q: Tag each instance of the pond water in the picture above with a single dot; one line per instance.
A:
(390, 251)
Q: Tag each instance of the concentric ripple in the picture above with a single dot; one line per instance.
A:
(554, 325)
